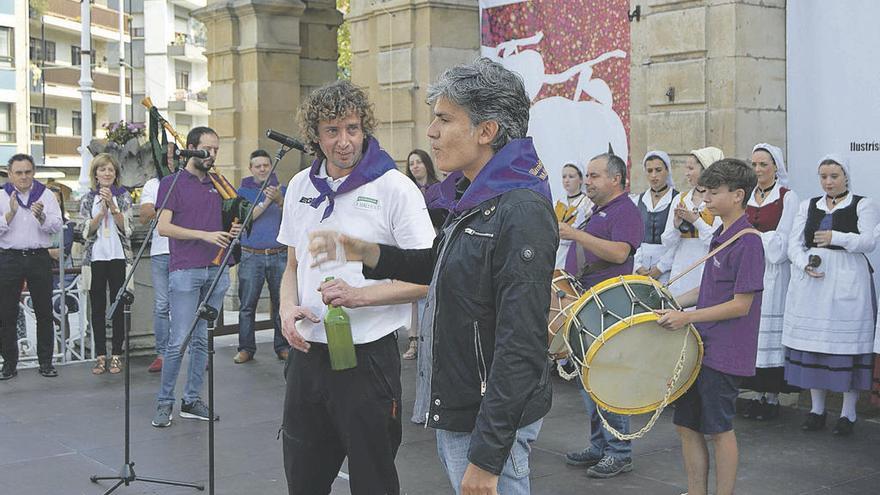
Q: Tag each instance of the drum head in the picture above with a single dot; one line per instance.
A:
(627, 370)
(608, 303)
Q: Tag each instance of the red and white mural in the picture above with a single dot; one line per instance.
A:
(573, 56)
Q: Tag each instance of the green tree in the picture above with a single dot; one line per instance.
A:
(343, 41)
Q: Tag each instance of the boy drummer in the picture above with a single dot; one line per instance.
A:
(728, 310)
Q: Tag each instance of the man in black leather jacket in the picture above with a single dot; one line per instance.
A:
(489, 273)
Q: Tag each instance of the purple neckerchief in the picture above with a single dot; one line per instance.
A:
(251, 183)
(371, 166)
(515, 166)
(114, 190)
(36, 192)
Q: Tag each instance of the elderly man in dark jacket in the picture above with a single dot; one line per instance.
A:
(489, 272)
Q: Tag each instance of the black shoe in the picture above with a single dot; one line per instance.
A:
(753, 409)
(814, 422)
(7, 373)
(48, 371)
(610, 467)
(768, 412)
(844, 427)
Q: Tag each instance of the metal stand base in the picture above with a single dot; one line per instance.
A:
(127, 475)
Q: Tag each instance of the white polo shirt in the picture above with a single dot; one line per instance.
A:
(389, 210)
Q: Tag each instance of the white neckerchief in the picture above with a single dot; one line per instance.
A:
(665, 200)
(822, 204)
(771, 197)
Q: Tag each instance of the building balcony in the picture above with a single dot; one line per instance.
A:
(64, 83)
(190, 4)
(65, 15)
(184, 49)
(190, 103)
(62, 145)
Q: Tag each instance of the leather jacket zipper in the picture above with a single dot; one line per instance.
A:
(470, 231)
(481, 361)
(436, 271)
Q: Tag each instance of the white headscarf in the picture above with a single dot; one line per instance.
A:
(776, 154)
(666, 161)
(579, 168)
(708, 155)
(843, 162)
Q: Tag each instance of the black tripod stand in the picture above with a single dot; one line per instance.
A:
(126, 474)
(209, 314)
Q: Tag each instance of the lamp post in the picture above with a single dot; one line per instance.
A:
(86, 88)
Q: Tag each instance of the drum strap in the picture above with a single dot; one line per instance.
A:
(714, 252)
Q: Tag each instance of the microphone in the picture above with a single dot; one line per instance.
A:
(203, 154)
(288, 141)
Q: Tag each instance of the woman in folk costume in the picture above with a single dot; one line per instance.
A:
(828, 327)
(771, 210)
(655, 205)
(574, 210)
(689, 230)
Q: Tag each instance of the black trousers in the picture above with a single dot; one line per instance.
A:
(106, 273)
(330, 415)
(36, 268)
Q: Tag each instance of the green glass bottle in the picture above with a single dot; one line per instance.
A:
(339, 341)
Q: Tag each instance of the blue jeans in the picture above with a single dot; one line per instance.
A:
(452, 446)
(187, 288)
(161, 307)
(253, 270)
(601, 440)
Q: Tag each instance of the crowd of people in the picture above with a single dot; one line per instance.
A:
(462, 255)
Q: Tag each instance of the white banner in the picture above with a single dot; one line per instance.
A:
(833, 74)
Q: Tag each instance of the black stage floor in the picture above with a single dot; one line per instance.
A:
(58, 432)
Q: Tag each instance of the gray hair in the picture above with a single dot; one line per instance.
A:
(614, 165)
(487, 91)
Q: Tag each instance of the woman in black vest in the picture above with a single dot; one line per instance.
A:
(655, 204)
(828, 327)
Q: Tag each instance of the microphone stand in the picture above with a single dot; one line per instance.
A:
(209, 314)
(126, 474)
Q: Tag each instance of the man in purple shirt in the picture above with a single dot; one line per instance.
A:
(193, 222)
(263, 258)
(604, 247)
(30, 217)
(728, 311)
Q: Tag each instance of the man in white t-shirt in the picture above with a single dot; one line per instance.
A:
(159, 258)
(353, 187)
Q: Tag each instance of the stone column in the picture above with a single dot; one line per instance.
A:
(398, 48)
(708, 73)
(261, 54)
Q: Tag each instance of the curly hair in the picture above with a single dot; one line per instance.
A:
(330, 102)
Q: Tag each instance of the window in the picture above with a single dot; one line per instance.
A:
(7, 129)
(76, 123)
(137, 32)
(182, 79)
(36, 51)
(43, 120)
(75, 55)
(7, 47)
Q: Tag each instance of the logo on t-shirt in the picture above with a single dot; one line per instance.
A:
(306, 200)
(366, 203)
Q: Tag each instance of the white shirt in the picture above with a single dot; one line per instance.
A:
(107, 245)
(389, 210)
(148, 196)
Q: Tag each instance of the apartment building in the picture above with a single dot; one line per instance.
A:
(168, 47)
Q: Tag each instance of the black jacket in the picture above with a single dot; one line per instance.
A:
(490, 268)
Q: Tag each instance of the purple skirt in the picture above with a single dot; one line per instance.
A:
(833, 372)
